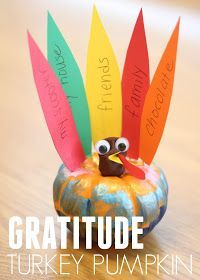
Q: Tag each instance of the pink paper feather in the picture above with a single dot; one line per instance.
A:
(56, 109)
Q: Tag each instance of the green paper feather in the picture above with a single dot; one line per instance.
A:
(65, 67)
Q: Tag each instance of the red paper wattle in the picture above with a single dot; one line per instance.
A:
(132, 169)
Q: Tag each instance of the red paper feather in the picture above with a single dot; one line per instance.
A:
(135, 83)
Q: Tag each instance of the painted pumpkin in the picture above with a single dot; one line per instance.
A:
(86, 193)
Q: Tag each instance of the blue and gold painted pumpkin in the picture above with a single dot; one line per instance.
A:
(86, 193)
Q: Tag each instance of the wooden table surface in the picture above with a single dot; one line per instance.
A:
(28, 160)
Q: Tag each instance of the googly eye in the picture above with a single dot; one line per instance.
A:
(102, 147)
(122, 144)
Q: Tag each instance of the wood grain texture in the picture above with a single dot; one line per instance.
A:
(28, 160)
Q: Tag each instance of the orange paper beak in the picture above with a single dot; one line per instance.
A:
(114, 157)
